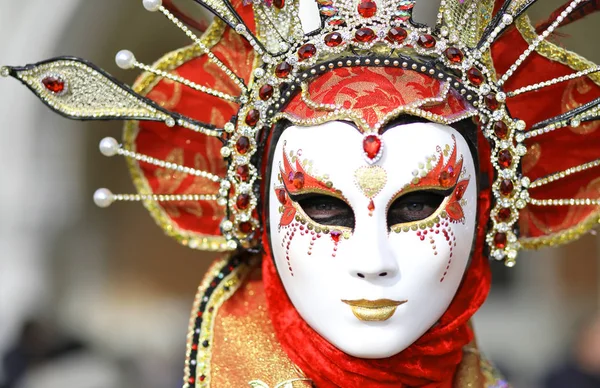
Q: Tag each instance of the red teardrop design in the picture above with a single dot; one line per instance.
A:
(367, 8)
(505, 159)
(475, 76)
(454, 54)
(426, 41)
(335, 235)
(371, 206)
(283, 70)
(364, 35)
(397, 35)
(333, 39)
(242, 145)
(252, 117)
(307, 51)
(372, 146)
(265, 92)
(279, 3)
(54, 84)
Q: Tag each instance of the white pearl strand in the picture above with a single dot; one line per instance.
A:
(553, 81)
(104, 197)
(566, 202)
(110, 147)
(205, 50)
(563, 174)
(538, 40)
(186, 82)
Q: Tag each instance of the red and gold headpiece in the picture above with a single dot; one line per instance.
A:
(198, 119)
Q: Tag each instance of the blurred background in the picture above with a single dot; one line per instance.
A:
(100, 298)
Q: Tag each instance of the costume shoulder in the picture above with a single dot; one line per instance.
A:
(231, 341)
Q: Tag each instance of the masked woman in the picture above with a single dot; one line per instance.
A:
(359, 168)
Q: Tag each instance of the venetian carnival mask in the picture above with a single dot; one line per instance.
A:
(371, 254)
(284, 124)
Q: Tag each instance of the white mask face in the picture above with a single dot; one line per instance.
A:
(371, 254)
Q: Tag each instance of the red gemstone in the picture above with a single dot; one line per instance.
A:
(54, 84)
(446, 177)
(252, 117)
(454, 55)
(243, 172)
(307, 51)
(371, 206)
(335, 235)
(246, 227)
(282, 196)
(397, 35)
(475, 76)
(334, 39)
(298, 180)
(367, 8)
(426, 41)
(243, 201)
(336, 21)
(279, 3)
(242, 145)
(491, 102)
(505, 159)
(501, 129)
(500, 240)
(372, 146)
(504, 214)
(364, 35)
(265, 92)
(506, 187)
(283, 70)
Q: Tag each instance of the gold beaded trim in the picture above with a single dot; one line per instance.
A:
(223, 291)
(143, 86)
(563, 237)
(554, 52)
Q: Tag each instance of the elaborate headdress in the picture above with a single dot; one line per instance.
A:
(198, 119)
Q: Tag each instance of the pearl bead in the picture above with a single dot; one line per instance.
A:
(152, 5)
(103, 198)
(125, 59)
(109, 146)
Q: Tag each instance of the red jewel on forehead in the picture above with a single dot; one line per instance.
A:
(372, 148)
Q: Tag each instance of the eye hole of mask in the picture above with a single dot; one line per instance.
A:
(415, 206)
(326, 210)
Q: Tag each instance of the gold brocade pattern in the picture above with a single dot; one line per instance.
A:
(143, 86)
(245, 346)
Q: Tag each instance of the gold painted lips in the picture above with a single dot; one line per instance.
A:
(373, 310)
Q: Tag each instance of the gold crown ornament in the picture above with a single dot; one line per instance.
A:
(196, 159)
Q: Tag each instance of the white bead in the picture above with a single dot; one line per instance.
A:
(152, 5)
(109, 146)
(125, 59)
(103, 198)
